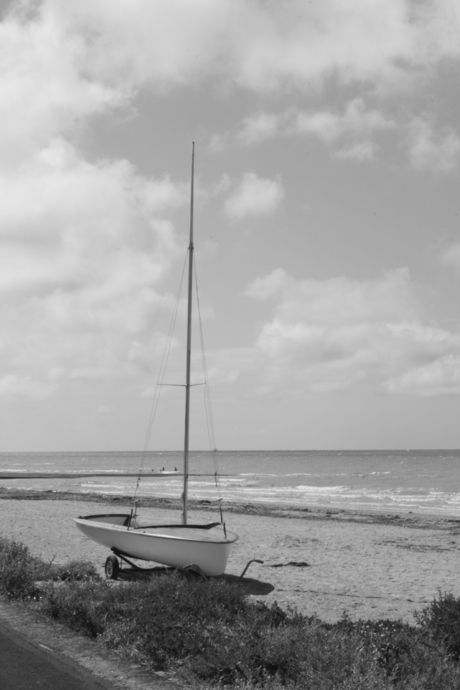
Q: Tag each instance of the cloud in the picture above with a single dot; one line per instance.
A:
(64, 63)
(261, 46)
(262, 126)
(363, 151)
(45, 87)
(85, 256)
(333, 334)
(78, 215)
(451, 256)
(306, 43)
(441, 377)
(254, 196)
(428, 150)
(350, 132)
(270, 285)
(86, 243)
(356, 120)
(14, 387)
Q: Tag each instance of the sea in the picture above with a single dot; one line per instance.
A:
(399, 481)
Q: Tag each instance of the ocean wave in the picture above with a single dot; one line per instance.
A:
(393, 481)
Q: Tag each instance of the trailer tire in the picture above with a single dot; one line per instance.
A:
(112, 568)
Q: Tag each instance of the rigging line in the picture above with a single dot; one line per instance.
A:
(161, 375)
(207, 397)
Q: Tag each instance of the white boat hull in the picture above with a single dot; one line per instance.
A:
(173, 545)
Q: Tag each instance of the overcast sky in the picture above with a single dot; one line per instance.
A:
(326, 227)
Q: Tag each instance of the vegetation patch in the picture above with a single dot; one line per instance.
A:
(208, 634)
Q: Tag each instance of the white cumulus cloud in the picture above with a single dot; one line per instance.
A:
(451, 256)
(440, 377)
(333, 334)
(431, 150)
(85, 243)
(350, 133)
(254, 196)
(356, 120)
(13, 387)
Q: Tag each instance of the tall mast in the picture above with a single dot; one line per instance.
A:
(189, 344)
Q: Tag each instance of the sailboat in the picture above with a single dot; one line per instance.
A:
(202, 547)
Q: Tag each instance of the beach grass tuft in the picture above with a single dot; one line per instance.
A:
(208, 634)
(20, 570)
(17, 570)
(441, 622)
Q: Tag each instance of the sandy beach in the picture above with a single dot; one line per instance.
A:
(320, 561)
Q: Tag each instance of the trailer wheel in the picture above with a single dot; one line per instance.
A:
(112, 568)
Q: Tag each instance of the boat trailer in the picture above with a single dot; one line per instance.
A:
(113, 566)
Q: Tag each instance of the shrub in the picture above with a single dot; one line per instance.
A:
(388, 643)
(82, 606)
(80, 571)
(172, 618)
(17, 570)
(209, 633)
(441, 621)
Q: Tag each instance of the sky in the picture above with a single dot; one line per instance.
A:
(327, 234)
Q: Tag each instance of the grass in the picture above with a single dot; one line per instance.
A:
(208, 634)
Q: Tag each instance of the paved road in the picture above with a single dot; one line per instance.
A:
(25, 665)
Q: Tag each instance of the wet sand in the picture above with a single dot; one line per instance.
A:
(321, 562)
